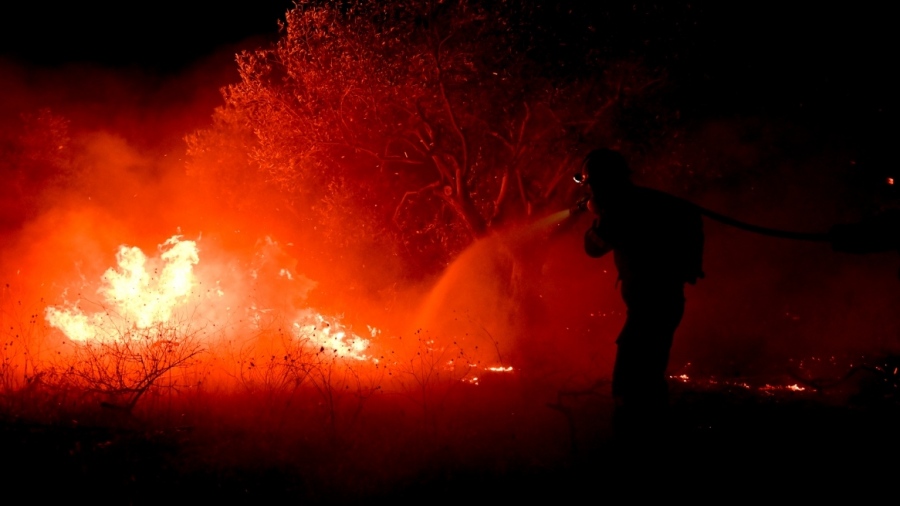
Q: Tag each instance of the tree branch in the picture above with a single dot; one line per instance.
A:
(408, 194)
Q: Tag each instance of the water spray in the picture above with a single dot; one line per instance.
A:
(557, 218)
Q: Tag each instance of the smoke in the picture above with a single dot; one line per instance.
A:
(542, 304)
(94, 159)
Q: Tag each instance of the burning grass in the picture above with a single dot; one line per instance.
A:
(193, 367)
(158, 329)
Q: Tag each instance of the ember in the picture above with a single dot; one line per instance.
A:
(754, 385)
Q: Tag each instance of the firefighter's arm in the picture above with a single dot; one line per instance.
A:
(594, 245)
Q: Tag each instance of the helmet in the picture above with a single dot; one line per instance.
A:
(603, 166)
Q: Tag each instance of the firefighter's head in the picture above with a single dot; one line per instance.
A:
(605, 171)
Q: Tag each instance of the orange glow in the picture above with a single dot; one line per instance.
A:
(144, 295)
(766, 388)
(347, 263)
(133, 299)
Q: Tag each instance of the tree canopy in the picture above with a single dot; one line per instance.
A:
(427, 124)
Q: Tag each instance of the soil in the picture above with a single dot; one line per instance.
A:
(713, 443)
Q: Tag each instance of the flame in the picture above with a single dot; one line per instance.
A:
(766, 388)
(137, 295)
(132, 297)
(146, 296)
(320, 333)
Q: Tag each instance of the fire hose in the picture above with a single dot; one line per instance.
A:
(581, 206)
(771, 232)
(877, 234)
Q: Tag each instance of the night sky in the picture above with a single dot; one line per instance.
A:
(820, 64)
(165, 36)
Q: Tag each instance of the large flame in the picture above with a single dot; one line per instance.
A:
(140, 294)
(146, 296)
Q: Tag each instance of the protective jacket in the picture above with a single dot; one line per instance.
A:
(657, 243)
(655, 237)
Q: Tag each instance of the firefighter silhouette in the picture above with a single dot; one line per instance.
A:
(657, 244)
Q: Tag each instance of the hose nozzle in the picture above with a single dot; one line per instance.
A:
(580, 206)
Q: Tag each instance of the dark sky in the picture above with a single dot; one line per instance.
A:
(796, 55)
(162, 35)
(830, 67)
(816, 63)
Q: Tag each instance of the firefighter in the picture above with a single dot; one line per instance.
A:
(657, 244)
